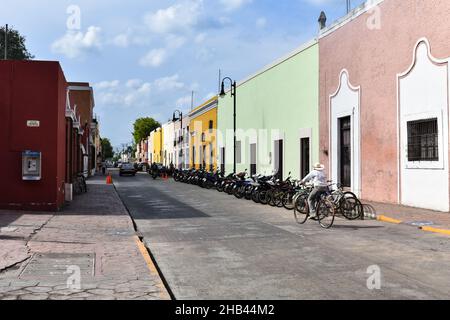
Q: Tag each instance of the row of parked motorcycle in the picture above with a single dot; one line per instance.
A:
(268, 190)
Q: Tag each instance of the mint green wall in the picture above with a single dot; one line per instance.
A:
(283, 98)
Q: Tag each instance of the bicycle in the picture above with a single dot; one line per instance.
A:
(80, 185)
(326, 207)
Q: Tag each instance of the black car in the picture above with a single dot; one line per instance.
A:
(127, 168)
(142, 167)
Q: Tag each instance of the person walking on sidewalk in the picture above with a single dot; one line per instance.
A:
(319, 181)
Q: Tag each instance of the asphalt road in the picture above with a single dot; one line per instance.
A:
(209, 245)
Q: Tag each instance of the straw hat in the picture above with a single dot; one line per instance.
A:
(319, 167)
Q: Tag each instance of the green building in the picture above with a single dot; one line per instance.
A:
(277, 118)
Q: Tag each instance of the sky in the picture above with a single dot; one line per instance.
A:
(144, 58)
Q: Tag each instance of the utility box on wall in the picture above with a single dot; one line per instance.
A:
(31, 166)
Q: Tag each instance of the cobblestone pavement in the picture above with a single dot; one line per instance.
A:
(212, 246)
(42, 254)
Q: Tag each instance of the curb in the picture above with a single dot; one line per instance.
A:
(436, 230)
(389, 220)
(164, 295)
(383, 218)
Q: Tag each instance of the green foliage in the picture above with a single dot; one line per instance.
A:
(16, 45)
(143, 127)
(107, 149)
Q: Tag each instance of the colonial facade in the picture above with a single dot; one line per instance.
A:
(202, 141)
(276, 118)
(181, 143)
(168, 147)
(81, 98)
(46, 137)
(384, 100)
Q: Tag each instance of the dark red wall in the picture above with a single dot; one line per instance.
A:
(32, 90)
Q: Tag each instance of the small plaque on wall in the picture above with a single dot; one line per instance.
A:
(33, 123)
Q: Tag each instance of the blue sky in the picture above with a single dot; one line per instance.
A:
(144, 58)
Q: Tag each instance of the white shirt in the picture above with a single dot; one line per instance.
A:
(317, 177)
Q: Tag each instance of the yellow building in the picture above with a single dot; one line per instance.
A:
(158, 142)
(202, 129)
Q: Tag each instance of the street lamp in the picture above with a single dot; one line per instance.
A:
(180, 117)
(233, 94)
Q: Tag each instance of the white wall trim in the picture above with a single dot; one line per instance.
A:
(405, 167)
(355, 113)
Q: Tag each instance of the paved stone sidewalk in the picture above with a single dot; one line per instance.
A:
(411, 216)
(43, 255)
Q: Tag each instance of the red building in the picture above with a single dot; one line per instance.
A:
(43, 125)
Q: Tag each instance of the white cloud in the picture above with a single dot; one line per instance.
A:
(168, 83)
(135, 92)
(121, 40)
(133, 83)
(178, 17)
(107, 84)
(184, 102)
(200, 38)
(76, 44)
(174, 41)
(261, 22)
(231, 5)
(154, 58)
(132, 36)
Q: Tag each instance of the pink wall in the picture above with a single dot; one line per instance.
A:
(373, 59)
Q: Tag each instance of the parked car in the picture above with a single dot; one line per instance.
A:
(143, 166)
(127, 168)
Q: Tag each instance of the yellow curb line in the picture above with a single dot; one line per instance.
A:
(152, 268)
(436, 230)
(387, 219)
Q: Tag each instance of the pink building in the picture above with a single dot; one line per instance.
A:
(384, 99)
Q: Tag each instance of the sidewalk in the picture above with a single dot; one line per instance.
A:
(428, 220)
(88, 251)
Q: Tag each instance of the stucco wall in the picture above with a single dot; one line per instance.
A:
(282, 99)
(373, 59)
(32, 90)
(198, 125)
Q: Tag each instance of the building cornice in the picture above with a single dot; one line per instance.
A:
(202, 109)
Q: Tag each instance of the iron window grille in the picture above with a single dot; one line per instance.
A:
(423, 140)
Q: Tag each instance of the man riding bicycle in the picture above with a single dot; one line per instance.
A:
(319, 181)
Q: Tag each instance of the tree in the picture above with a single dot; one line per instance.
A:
(16, 45)
(107, 149)
(143, 127)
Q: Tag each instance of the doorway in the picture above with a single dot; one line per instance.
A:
(345, 152)
(222, 160)
(279, 159)
(253, 159)
(305, 164)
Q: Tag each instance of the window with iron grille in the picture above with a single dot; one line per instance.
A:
(423, 140)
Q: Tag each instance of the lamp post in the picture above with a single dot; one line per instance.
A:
(180, 117)
(233, 94)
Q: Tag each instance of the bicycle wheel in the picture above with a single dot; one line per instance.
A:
(287, 200)
(350, 207)
(301, 208)
(278, 199)
(270, 195)
(325, 213)
(262, 197)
